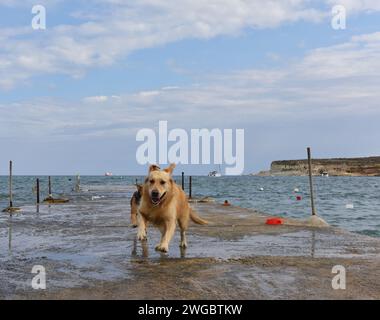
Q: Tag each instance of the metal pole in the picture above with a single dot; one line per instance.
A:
(50, 193)
(10, 185)
(313, 212)
(183, 180)
(38, 190)
(190, 186)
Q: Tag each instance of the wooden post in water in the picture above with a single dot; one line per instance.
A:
(11, 209)
(38, 191)
(313, 211)
(50, 198)
(77, 183)
(10, 185)
(190, 186)
(183, 180)
(50, 193)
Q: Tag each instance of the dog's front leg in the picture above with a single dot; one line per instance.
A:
(167, 234)
(141, 231)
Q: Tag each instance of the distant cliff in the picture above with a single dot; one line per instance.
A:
(333, 167)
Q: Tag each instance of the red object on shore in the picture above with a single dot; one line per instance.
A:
(274, 221)
(299, 198)
(226, 203)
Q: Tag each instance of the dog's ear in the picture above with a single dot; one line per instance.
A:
(170, 168)
(154, 167)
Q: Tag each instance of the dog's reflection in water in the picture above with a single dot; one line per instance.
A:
(183, 252)
(145, 250)
(144, 246)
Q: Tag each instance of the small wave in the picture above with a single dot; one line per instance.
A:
(371, 233)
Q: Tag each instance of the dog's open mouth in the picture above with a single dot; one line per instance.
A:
(156, 200)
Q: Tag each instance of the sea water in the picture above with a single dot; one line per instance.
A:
(352, 203)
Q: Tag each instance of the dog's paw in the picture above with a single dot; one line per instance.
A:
(142, 237)
(162, 248)
(183, 245)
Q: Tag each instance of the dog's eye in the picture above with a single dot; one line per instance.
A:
(151, 181)
(162, 182)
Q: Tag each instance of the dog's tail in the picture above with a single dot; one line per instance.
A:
(197, 219)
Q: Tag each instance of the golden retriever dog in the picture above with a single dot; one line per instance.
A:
(164, 204)
(135, 202)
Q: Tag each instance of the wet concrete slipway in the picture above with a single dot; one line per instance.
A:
(89, 251)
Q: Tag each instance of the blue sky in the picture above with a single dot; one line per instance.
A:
(73, 96)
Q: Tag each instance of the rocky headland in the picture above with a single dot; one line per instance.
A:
(368, 167)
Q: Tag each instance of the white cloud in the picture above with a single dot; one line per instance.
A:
(114, 29)
(355, 6)
(149, 93)
(27, 3)
(357, 58)
(95, 99)
(330, 82)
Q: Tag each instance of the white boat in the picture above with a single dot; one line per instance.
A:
(214, 174)
(324, 174)
(108, 174)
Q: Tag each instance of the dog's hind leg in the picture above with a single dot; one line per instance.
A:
(134, 215)
(183, 224)
(183, 227)
(167, 234)
(183, 243)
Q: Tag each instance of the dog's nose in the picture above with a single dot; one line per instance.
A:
(155, 193)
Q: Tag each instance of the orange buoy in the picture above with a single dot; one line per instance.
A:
(274, 221)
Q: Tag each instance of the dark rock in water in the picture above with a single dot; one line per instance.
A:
(55, 201)
(11, 210)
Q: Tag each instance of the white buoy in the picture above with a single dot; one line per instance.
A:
(317, 221)
(350, 206)
(296, 190)
(261, 189)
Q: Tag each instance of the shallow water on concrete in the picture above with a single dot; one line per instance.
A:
(90, 239)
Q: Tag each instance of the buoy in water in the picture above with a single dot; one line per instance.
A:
(261, 189)
(298, 198)
(350, 206)
(296, 190)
